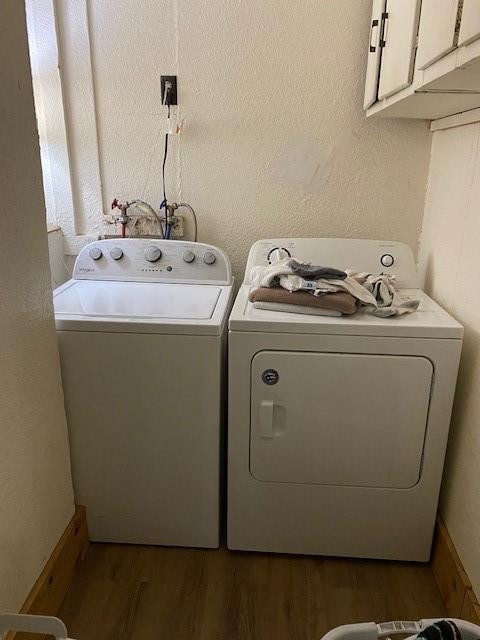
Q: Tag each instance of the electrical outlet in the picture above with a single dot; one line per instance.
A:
(178, 227)
(172, 97)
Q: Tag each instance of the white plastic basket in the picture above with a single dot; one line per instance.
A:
(372, 630)
(45, 625)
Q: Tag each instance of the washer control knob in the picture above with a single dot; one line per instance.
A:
(209, 257)
(152, 253)
(95, 253)
(116, 253)
(387, 260)
(189, 256)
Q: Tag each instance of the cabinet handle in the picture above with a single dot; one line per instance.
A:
(373, 40)
(384, 30)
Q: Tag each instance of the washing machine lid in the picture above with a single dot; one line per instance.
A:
(147, 307)
(429, 321)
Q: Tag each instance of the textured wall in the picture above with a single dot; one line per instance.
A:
(36, 500)
(450, 262)
(58, 268)
(276, 142)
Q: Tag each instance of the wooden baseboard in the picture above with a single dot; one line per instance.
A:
(452, 579)
(52, 586)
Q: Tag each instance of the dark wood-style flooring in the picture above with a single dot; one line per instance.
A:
(125, 592)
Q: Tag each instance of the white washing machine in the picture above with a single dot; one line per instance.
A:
(142, 333)
(338, 426)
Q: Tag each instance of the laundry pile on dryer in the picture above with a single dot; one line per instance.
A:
(298, 287)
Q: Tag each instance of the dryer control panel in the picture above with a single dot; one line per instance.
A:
(143, 260)
(372, 256)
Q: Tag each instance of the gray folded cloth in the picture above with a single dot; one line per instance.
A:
(341, 301)
(306, 270)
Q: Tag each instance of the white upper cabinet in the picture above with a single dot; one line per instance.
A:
(373, 60)
(436, 36)
(423, 58)
(470, 25)
(398, 41)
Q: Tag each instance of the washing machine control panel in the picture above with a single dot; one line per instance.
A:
(143, 260)
(372, 256)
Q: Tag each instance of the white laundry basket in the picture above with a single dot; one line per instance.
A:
(373, 631)
(45, 625)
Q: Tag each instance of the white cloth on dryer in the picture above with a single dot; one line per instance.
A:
(269, 276)
(282, 273)
(319, 286)
(383, 289)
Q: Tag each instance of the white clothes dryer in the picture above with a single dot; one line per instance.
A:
(142, 330)
(338, 426)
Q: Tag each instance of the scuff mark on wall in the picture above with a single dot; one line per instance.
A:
(302, 165)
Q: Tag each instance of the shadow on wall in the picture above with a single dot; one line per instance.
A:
(58, 269)
(469, 363)
(466, 390)
(426, 276)
(466, 376)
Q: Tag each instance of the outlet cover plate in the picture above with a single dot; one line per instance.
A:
(173, 91)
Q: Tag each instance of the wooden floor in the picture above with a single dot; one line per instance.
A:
(141, 593)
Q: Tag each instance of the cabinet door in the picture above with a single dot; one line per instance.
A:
(373, 60)
(436, 35)
(398, 43)
(470, 26)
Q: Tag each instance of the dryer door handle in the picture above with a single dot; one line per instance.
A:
(266, 419)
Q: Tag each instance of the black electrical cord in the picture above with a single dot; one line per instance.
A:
(163, 169)
(165, 153)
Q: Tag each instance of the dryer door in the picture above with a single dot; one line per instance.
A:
(338, 419)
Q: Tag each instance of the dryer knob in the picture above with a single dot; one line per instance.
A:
(387, 260)
(188, 256)
(152, 253)
(209, 257)
(95, 253)
(277, 253)
(116, 253)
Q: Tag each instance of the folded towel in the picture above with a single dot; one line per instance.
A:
(342, 302)
(296, 308)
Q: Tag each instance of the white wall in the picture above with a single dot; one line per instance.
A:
(36, 500)
(58, 269)
(450, 262)
(276, 142)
